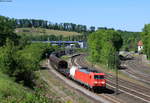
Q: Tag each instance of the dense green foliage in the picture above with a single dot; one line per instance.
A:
(103, 47)
(6, 30)
(11, 92)
(19, 59)
(7, 54)
(22, 63)
(28, 61)
(146, 40)
(130, 40)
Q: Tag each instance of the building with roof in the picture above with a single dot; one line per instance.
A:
(140, 46)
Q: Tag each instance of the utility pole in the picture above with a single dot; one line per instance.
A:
(116, 81)
(116, 61)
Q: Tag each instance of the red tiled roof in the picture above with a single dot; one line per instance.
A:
(140, 43)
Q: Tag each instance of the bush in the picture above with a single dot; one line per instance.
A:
(7, 30)
(28, 61)
(7, 57)
(22, 63)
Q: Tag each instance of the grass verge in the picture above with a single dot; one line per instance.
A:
(12, 92)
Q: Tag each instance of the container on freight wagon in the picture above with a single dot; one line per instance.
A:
(73, 70)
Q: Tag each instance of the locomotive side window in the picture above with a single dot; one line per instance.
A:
(98, 77)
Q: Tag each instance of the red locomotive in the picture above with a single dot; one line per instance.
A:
(90, 78)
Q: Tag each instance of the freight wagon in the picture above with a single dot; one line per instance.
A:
(59, 64)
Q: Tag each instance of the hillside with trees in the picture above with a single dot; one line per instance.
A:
(34, 29)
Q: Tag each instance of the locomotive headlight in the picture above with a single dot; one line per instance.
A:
(95, 82)
(103, 82)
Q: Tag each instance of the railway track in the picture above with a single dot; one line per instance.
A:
(126, 88)
(101, 98)
(130, 84)
(97, 98)
(135, 72)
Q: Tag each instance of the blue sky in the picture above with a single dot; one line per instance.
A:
(128, 15)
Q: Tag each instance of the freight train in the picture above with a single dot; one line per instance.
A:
(85, 76)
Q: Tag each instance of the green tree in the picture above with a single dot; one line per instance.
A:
(22, 63)
(6, 30)
(146, 39)
(28, 61)
(7, 54)
(130, 40)
(103, 46)
(92, 28)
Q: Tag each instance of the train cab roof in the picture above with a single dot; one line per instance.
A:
(89, 71)
(99, 73)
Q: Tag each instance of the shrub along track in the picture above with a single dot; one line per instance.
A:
(128, 91)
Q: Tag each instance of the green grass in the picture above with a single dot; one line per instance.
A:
(12, 92)
(42, 31)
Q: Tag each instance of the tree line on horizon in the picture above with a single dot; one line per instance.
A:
(23, 23)
(130, 39)
(39, 23)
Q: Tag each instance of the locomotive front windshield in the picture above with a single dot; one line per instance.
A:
(98, 77)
